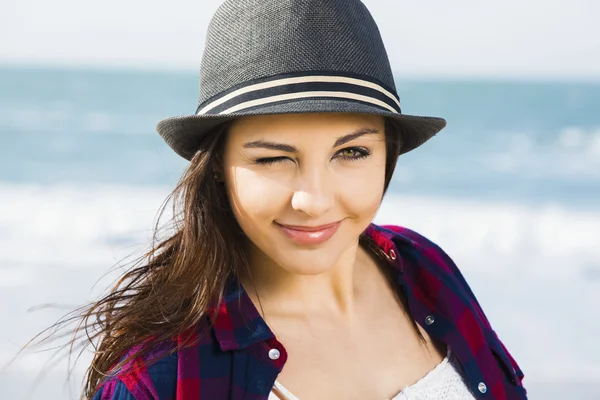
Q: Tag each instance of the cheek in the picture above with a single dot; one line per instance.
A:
(361, 203)
(254, 197)
(360, 193)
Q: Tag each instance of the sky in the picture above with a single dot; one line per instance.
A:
(509, 38)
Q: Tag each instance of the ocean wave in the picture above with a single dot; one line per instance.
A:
(571, 153)
(97, 219)
(499, 237)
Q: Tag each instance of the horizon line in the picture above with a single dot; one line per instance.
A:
(466, 76)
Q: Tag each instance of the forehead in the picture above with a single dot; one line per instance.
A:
(302, 126)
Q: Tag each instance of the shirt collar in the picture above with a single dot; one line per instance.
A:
(237, 323)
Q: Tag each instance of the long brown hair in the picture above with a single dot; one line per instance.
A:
(171, 287)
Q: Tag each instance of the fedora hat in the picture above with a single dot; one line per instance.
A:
(293, 56)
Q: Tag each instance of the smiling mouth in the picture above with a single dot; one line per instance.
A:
(309, 235)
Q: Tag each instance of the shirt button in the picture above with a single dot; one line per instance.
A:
(482, 387)
(429, 320)
(392, 254)
(274, 354)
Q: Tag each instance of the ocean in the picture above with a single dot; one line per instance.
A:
(510, 190)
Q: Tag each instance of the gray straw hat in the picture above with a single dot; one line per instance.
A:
(293, 56)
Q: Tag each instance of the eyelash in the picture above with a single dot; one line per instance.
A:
(361, 152)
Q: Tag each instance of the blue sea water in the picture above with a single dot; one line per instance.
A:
(522, 141)
(510, 189)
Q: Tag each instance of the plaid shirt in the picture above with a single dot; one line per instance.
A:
(237, 361)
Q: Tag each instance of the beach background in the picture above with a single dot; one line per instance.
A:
(510, 189)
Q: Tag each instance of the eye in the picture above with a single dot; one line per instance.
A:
(271, 160)
(353, 153)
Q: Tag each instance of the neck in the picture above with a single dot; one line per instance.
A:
(278, 292)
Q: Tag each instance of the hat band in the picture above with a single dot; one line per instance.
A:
(301, 87)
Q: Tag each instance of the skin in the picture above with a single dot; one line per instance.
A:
(330, 304)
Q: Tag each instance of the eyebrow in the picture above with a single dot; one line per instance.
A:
(291, 149)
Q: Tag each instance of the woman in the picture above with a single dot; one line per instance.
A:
(275, 283)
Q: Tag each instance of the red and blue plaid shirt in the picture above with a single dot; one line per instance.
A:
(233, 362)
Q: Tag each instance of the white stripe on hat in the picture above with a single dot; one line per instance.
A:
(303, 79)
(303, 95)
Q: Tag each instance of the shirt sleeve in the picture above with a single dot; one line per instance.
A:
(113, 390)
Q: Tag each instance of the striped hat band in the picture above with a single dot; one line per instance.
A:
(278, 89)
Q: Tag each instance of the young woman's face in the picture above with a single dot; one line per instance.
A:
(304, 186)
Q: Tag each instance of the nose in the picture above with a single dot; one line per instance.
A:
(315, 195)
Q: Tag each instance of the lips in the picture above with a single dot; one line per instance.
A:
(309, 235)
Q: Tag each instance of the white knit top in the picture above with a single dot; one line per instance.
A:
(444, 382)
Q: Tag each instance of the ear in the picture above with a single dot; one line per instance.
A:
(217, 163)
(217, 170)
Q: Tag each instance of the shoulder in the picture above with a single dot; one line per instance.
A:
(421, 246)
(433, 263)
(150, 375)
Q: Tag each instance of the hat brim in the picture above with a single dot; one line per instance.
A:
(184, 133)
